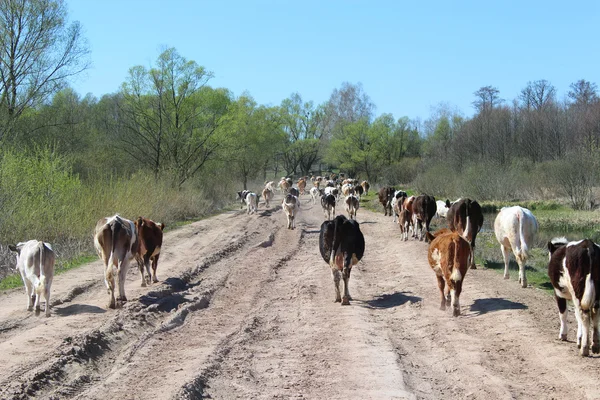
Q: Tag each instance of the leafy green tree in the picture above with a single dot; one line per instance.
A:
(39, 51)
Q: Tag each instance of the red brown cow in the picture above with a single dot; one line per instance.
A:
(424, 208)
(466, 217)
(574, 270)
(151, 237)
(386, 194)
(404, 221)
(449, 256)
(366, 186)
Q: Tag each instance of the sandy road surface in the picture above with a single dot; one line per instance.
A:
(245, 310)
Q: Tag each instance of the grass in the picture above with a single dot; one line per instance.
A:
(371, 201)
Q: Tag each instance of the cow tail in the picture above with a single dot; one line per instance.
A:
(522, 250)
(456, 276)
(41, 283)
(468, 227)
(110, 270)
(335, 244)
(589, 293)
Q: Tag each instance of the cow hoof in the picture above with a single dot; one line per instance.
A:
(563, 338)
(30, 308)
(506, 276)
(456, 312)
(585, 351)
(596, 348)
(144, 284)
(48, 315)
(337, 301)
(524, 284)
(111, 305)
(155, 280)
(122, 299)
(473, 266)
(345, 301)
(443, 307)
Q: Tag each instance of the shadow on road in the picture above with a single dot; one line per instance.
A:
(483, 306)
(75, 309)
(391, 300)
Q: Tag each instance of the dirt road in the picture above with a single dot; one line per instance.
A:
(245, 310)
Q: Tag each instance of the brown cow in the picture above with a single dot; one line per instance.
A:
(449, 256)
(151, 237)
(386, 194)
(466, 217)
(301, 185)
(404, 221)
(116, 241)
(423, 211)
(366, 186)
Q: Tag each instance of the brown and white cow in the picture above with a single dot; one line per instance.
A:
(466, 217)
(352, 205)
(290, 206)
(574, 270)
(284, 185)
(398, 203)
(268, 195)
(301, 185)
(35, 263)
(386, 194)
(423, 211)
(116, 242)
(516, 229)
(150, 237)
(366, 186)
(342, 245)
(449, 256)
(404, 221)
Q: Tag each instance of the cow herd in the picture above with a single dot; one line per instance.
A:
(573, 269)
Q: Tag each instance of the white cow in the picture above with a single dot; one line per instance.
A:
(290, 206)
(314, 193)
(35, 263)
(442, 208)
(516, 229)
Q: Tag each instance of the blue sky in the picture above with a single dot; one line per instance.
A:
(409, 56)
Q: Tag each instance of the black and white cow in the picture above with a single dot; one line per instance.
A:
(574, 270)
(342, 245)
(250, 199)
(328, 202)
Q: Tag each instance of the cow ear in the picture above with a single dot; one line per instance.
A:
(430, 236)
(551, 247)
(139, 222)
(447, 203)
(162, 226)
(14, 248)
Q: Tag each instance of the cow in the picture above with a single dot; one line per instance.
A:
(342, 245)
(466, 217)
(352, 205)
(404, 221)
(301, 185)
(449, 256)
(314, 193)
(366, 186)
(35, 263)
(268, 195)
(358, 191)
(574, 271)
(328, 202)
(385, 195)
(515, 229)
(269, 185)
(442, 208)
(290, 206)
(423, 211)
(116, 242)
(294, 192)
(284, 185)
(150, 236)
(347, 189)
(398, 202)
(251, 200)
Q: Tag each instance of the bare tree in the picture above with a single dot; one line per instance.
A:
(39, 51)
(487, 98)
(583, 92)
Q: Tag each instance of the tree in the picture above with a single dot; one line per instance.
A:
(39, 51)
(170, 116)
(487, 98)
(583, 93)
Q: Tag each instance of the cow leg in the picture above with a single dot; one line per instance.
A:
(121, 274)
(594, 327)
(110, 285)
(140, 263)
(506, 256)
(562, 314)
(335, 273)
(585, 339)
(147, 265)
(346, 276)
(154, 266)
(455, 295)
(441, 285)
(47, 298)
(579, 319)
(473, 266)
(522, 276)
(30, 293)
